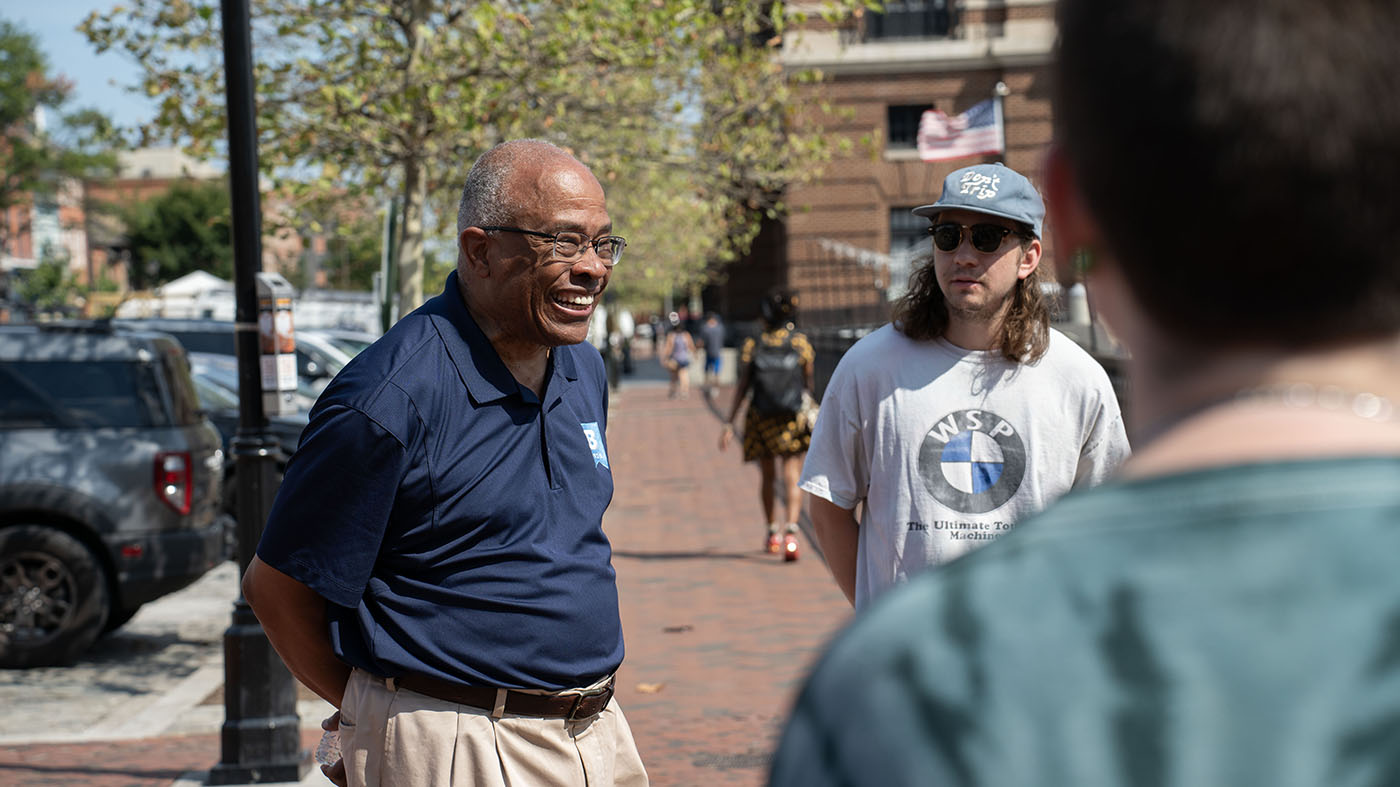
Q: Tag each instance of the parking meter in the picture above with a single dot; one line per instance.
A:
(277, 356)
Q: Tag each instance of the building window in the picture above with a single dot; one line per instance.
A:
(931, 19)
(908, 244)
(903, 126)
(908, 233)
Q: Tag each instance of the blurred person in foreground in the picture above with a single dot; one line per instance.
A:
(434, 565)
(775, 380)
(1226, 612)
(965, 414)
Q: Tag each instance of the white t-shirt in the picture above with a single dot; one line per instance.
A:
(949, 448)
(598, 327)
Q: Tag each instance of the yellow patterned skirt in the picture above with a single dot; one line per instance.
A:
(774, 435)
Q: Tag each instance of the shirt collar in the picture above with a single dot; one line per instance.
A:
(478, 364)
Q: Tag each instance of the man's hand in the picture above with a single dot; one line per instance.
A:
(726, 436)
(335, 769)
(336, 773)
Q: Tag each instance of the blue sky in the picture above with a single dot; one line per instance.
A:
(98, 79)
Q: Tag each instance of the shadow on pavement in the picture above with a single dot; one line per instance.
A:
(61, 774)
(692, 555)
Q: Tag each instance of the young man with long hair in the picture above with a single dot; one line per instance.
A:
(967, 412)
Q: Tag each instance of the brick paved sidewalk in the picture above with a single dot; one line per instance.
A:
(152, 762)
(723, 629)
(719, 633)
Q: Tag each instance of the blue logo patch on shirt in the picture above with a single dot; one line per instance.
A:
(595, 442)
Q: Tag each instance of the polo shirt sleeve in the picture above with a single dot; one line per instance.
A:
(334, 504)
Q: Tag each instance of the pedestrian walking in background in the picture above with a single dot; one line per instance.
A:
(676, 354)
(712, 338)
(434, 564)
(600, 334)
(775, 372)
(967, 412)
(1224, 612)
(626, 329)
(612, 343)
(657, 329)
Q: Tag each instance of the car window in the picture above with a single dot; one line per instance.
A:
(223, 372)
(81, 394)
(213, 396)
(350, 347)
(183, 397)
(326, 365)
(23, 406)
(221, 342)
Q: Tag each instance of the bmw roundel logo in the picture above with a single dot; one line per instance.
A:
(972, 461)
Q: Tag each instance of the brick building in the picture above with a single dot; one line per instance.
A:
(141, 175)
(150, 172)
(848, 237)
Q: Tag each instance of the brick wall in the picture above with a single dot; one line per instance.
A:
(852, 199)
(848, 206)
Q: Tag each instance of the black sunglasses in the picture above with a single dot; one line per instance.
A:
(986, 238)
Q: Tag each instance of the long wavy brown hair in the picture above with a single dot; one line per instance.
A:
(922, 313)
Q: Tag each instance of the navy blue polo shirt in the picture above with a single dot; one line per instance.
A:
(452, 518)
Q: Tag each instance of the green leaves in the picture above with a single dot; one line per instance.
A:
(665, 99)
(183, 230)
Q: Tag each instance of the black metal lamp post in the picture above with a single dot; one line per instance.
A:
(261, 739)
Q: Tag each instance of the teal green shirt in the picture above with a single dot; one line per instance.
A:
(1232, 626)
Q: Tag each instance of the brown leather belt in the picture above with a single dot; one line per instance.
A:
(554, 706)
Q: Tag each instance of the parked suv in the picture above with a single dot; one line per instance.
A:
(110, 481)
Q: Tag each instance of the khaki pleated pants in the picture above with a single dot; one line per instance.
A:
(399, 738)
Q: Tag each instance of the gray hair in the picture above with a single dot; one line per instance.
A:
(485, 200)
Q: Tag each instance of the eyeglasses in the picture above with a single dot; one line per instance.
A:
(986, 238)
(570, 246)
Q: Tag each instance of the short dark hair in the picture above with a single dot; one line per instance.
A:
(1241, 160)
(485, 198)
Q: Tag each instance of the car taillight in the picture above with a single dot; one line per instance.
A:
(174, 480)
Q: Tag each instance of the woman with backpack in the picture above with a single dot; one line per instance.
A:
(775, 378)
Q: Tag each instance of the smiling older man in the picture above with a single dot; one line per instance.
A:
(435, 565)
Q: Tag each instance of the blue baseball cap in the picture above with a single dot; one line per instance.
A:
(994, 189)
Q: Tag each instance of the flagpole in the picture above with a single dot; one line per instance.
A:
(998, 93)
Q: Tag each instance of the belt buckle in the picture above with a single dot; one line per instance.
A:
(605, 692)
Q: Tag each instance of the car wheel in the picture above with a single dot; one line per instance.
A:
(53, 597)
(119, 617)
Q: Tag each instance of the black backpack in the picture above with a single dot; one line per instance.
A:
(776, 378)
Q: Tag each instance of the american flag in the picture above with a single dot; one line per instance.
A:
(976, 131)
